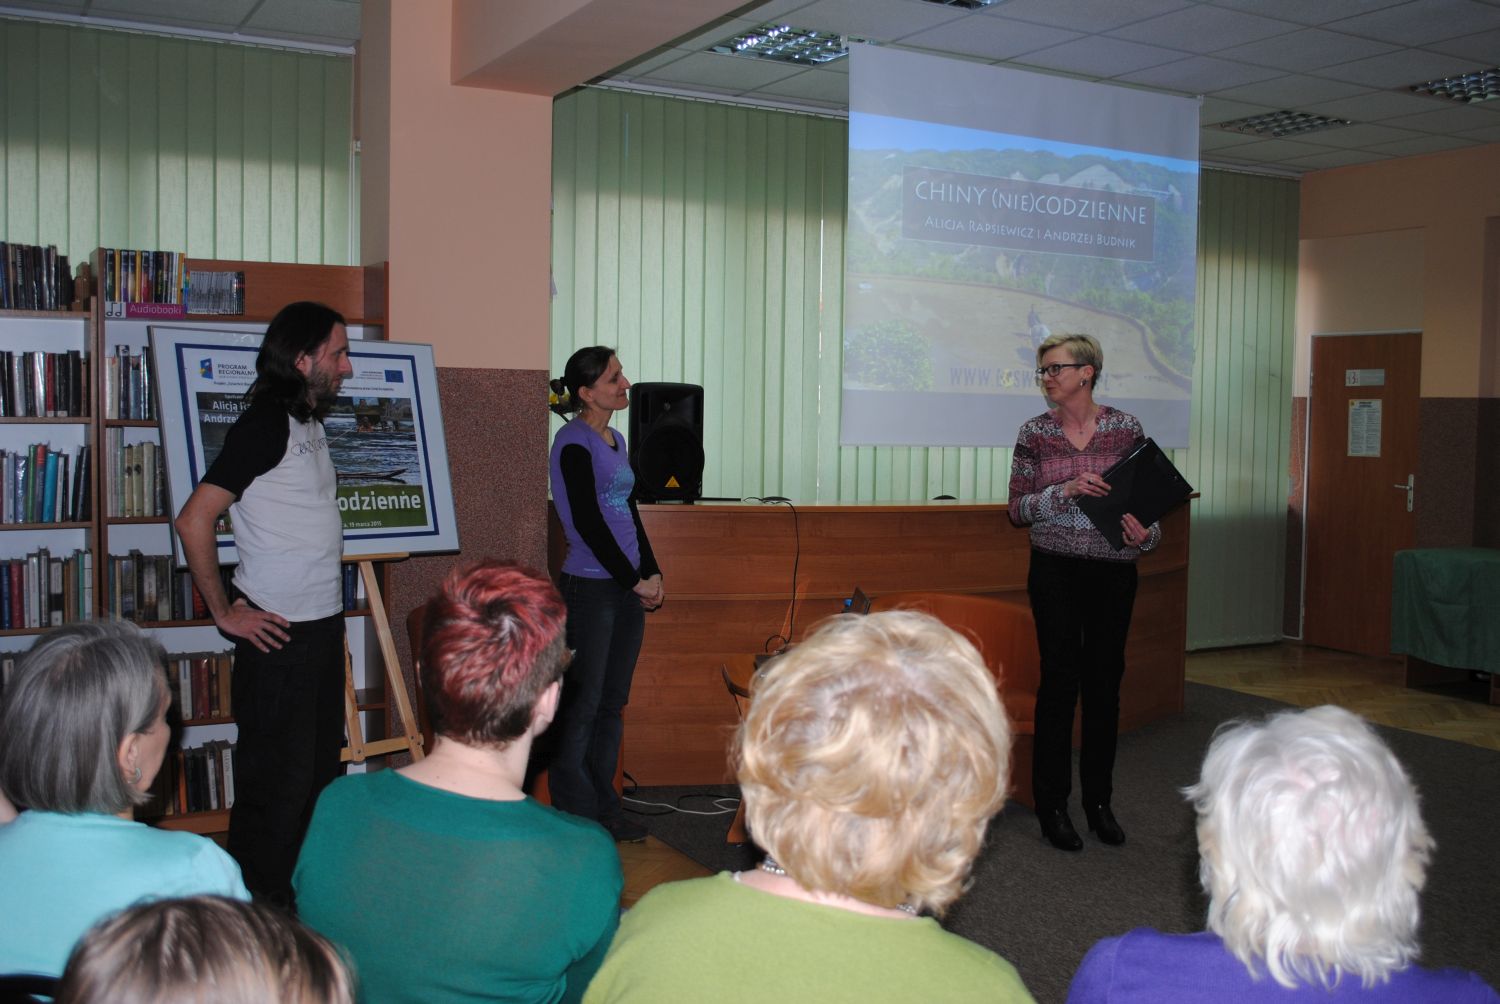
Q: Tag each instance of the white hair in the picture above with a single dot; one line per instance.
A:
(1312, 848)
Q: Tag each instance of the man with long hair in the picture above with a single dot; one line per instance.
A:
(285, 610)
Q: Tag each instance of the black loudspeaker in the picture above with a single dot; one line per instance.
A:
(666, 441)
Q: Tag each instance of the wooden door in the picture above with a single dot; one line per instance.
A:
(1356, 516)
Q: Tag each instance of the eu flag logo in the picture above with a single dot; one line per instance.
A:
(394, 376)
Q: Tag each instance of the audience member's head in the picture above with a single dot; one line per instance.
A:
(493, 641)
(872, 757)
(1313, 848)
(204, 950)
(83, 728)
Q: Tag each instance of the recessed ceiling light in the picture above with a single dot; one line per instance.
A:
(785, 44)
(965, 4)
(1466, 88)
(1282, 123)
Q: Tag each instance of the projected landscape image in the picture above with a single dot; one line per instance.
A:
(965, 248)
(961, 307)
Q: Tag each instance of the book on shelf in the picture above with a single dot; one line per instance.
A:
(134, 484)
(128, 385)
(41, 590)
(41, 485)
(215, 292)
(138, 283)
(44, 384)
(34, 277)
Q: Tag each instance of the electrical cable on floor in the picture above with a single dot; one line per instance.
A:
(723, 804)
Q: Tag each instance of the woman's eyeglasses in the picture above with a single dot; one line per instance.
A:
(1054, 369)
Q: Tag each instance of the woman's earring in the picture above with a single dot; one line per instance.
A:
(1083, 383)
(136, 777)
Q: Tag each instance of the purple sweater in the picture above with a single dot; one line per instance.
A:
(593, 489)
(1150, 967)
(1044, 459)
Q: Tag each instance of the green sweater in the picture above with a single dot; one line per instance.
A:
(715, 939)
(441, 898)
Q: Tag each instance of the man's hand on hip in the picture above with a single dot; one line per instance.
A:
(260, 628)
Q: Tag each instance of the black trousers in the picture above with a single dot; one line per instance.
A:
(289, 706)
(1082, 609)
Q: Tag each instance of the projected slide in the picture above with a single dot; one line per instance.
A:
(989, 208)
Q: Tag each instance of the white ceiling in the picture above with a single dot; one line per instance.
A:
(1351, 59)
(1347, 58)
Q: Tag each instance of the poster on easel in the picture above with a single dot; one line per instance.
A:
(385, 435)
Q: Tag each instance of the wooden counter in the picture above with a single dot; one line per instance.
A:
(728, 572)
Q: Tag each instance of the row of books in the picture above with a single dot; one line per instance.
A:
(201, 684)
(40, 590)
(197, 779)
(148, 587)
(215, 292)
(44, 384)
(143, 276)
(34, 277)
(135, 481)
(129, 391)
(42, 485)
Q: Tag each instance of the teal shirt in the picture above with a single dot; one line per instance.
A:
(715, 939)
(60, 874)
(438, 897)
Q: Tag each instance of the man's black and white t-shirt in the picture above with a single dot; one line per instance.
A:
(286, 516)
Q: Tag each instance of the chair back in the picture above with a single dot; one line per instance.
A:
(1002, 630)
(27, 988)
(1005, 634)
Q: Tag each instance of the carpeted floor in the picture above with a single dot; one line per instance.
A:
(1042, 909)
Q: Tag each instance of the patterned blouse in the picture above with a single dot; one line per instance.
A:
(1044, 460)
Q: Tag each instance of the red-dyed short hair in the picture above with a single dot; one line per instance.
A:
(492, 641)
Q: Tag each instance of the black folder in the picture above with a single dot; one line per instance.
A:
(1145, 484)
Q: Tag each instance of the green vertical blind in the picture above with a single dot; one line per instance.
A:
(705, 243)
(1242, 407)
(122, 139)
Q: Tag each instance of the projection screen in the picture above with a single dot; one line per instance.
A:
(990, 207)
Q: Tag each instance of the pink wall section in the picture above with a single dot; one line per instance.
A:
(1359, 223)
(457, 195)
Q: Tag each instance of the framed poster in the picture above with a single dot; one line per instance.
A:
(385, 435)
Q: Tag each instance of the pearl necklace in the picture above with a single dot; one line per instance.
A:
(770, 866)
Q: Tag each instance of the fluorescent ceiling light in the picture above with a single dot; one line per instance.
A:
(965, 4)
(1467, 88)
(785, 44)
(1282, 123)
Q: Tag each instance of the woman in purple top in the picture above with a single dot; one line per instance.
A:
(609, 580)
(1082, 589)
(1313, 853)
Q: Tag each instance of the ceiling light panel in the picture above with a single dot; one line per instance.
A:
(1281, 123)
(1466, 88)
(785, 44)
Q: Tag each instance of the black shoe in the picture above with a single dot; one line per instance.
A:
(1103, 825)
(625, 831)
(1058, 829)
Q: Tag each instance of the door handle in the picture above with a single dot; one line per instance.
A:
(1410, 488)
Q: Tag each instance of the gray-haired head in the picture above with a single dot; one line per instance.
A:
(75, 696)
(1312, 846)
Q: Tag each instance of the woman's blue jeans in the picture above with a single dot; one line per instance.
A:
(606, 624)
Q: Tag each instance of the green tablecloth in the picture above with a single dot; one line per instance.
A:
(1445, 606)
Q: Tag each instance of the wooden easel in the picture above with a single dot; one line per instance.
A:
(395, 684)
